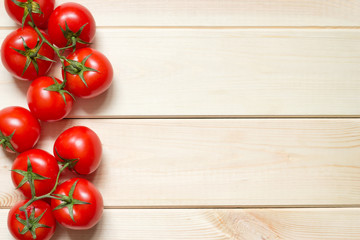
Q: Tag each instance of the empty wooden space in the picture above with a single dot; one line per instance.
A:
(177, 72)
(231, 162)
(210, 13)
(154, 224)
(227, 119)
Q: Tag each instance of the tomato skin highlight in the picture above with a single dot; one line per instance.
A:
(75, 15)
(14, 62)
(26, 126)
(41, 233)
(42, 163)
(80, 143)
(97, 82)
(85, 215)
(48, 106)
(40, 20)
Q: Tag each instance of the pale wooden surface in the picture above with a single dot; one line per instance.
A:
(222, 58)
(233, 162)
(176, 72)
(219, 12)
(262, 224)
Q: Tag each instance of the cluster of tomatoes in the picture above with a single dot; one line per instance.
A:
(28, 53)
(75, 203)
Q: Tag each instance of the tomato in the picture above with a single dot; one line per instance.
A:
(49, 104)
(40, 216)
(71, 20)
(16, 11)
(90, 73)
(81, 146)
(19, 129)
(27, 42)
(84, 204)
(43, 171)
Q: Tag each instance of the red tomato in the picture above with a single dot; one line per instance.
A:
(16, 12)
(67, 21)
(92, 75)
(44, 170)
(40, 216)
(19, 129)
(85, 204)
(48, 104)
(80, 145)
(15, 62)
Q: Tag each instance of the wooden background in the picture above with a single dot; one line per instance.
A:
(227, 119)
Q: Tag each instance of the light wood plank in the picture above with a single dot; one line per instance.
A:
(219, 12)
(264, 224)
(246, 162)
(221, 72)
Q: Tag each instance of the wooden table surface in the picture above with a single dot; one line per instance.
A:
(227, 119)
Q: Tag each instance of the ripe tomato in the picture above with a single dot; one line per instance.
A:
(71, 20)
(42, 221)
(49, 103)
(24, 63)
(81, 146)
(19, 129)
(40, 11)
(43, 171)
(89, 74)
(84, 204)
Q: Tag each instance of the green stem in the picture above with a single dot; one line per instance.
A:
(53, 197)
(48, 195)
(27, 219)
(32, 187)
(43, 38)
(56, 50)
(57, 178)
(73, 39)
(2, 141)
(37, 51)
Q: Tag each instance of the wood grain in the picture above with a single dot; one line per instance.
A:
(185, 72)
(264, 224)
(218, 12)
(246, 162)
(218, 58)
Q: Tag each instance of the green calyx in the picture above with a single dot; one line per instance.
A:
(69, 201)
(32, 55)
(57, 87)
(79, 68)
(5, 141)
(73, 37)
(30, 7)
(29, 176)
(70, 162)
(31, 224)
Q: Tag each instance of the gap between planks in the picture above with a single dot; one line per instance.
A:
(218, 27)
(240, 207)
(189, 117)
(231, 207)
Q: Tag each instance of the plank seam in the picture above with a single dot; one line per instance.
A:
(332, 206)
(270, 117)
(215, 27)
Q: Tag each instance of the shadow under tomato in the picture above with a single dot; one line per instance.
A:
(93, 233)
(10, 157)
(95, 106)
(49, 133)
(22, 85)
